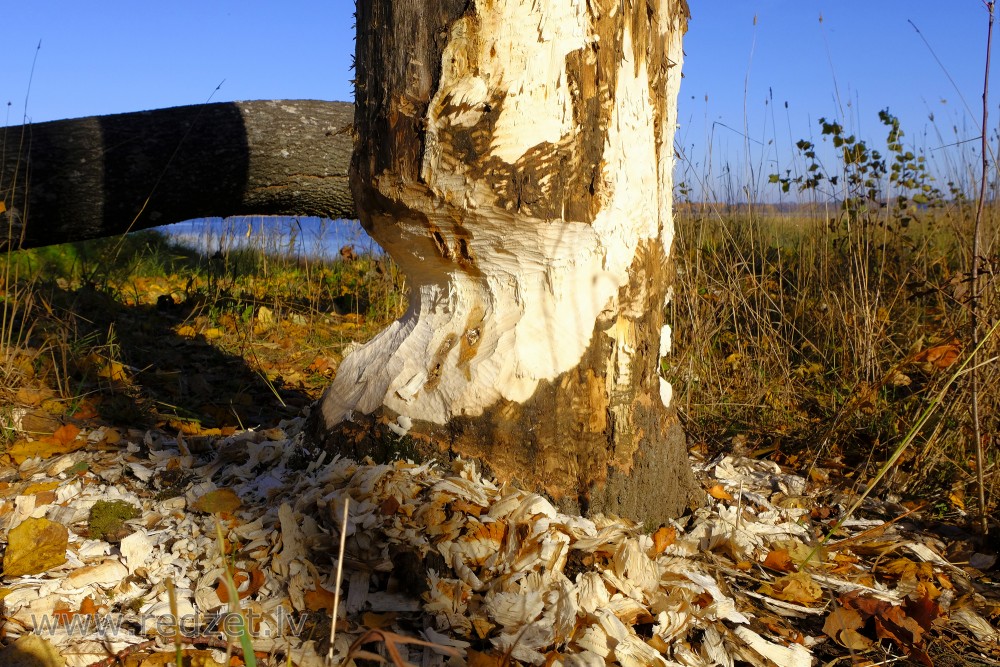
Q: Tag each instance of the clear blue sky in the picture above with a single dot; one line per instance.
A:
(113, 56)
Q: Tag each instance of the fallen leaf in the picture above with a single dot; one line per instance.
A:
(40, 487)
(896, 626)
(474, 658)
(842, 625)
(319, 599)
(375, 621)
(389, 506)
(798, 587)
(663, 538)
(22, 450)
(32, 396)
(719, 493)
(779, 560)
(939, 356)
(866, 606)
(63, 614)
(35, 546)
(31, 650)
(957, 500)
(255, 577)
(923, 610)
(218, 501)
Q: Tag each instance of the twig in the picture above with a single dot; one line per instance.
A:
(119, 658)
(200, 640)
(340, 571)
(974, 299)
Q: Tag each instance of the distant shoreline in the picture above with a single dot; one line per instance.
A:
(305, 237)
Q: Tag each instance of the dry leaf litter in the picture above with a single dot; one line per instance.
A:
(440, 553)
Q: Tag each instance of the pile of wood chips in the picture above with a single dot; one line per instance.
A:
(444, 567)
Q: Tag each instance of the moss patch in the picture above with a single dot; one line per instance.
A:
(107, 519)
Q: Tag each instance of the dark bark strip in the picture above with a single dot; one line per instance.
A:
(71, 180)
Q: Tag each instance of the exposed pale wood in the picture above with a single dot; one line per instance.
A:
(83, 178)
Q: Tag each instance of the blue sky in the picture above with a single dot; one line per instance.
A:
(112, 56)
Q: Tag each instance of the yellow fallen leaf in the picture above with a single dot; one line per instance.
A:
(956, 500)
(31, 396)
(39, 487)
(798, 587)
(31, 650)
(66, 434)
(187, 331)
(218, 501)
(35, 546)
(191, 658)
(22, 450)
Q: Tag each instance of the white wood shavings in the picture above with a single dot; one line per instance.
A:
(976, 624)
(525, 645)
(104, 574)
(357, 591)
(793, 655)
(593, 594)
(516, 609)
(291, 541)
(136, 549)
(632, 562)
(671, 624)
(515, 571)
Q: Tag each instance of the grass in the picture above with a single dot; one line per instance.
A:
(821, 331)
(138, 330)
(814, 332)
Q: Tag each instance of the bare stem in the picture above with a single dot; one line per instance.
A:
(974, 302)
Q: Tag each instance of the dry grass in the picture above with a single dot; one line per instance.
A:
(803, 336)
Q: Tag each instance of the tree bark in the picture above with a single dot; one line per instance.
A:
(72, 180)
(515, 159)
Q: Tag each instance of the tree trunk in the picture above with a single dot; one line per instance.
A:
(71, 180)
(515, 159)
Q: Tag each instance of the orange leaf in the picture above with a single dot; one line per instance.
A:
(842, 624)
(939, 356)
(663, 538)
(780, 561)
(319, 599)
(719, 493)
(62, 613)
(389, 506)
(476, 659)
(923, 610)
(240, 577)
(66, 434)
(376, 621)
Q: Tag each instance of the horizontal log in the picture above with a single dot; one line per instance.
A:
(71, 180)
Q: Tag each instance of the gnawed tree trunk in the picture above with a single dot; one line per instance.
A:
(71, 180)
(515, 159)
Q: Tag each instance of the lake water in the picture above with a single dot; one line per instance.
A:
(292, 237)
